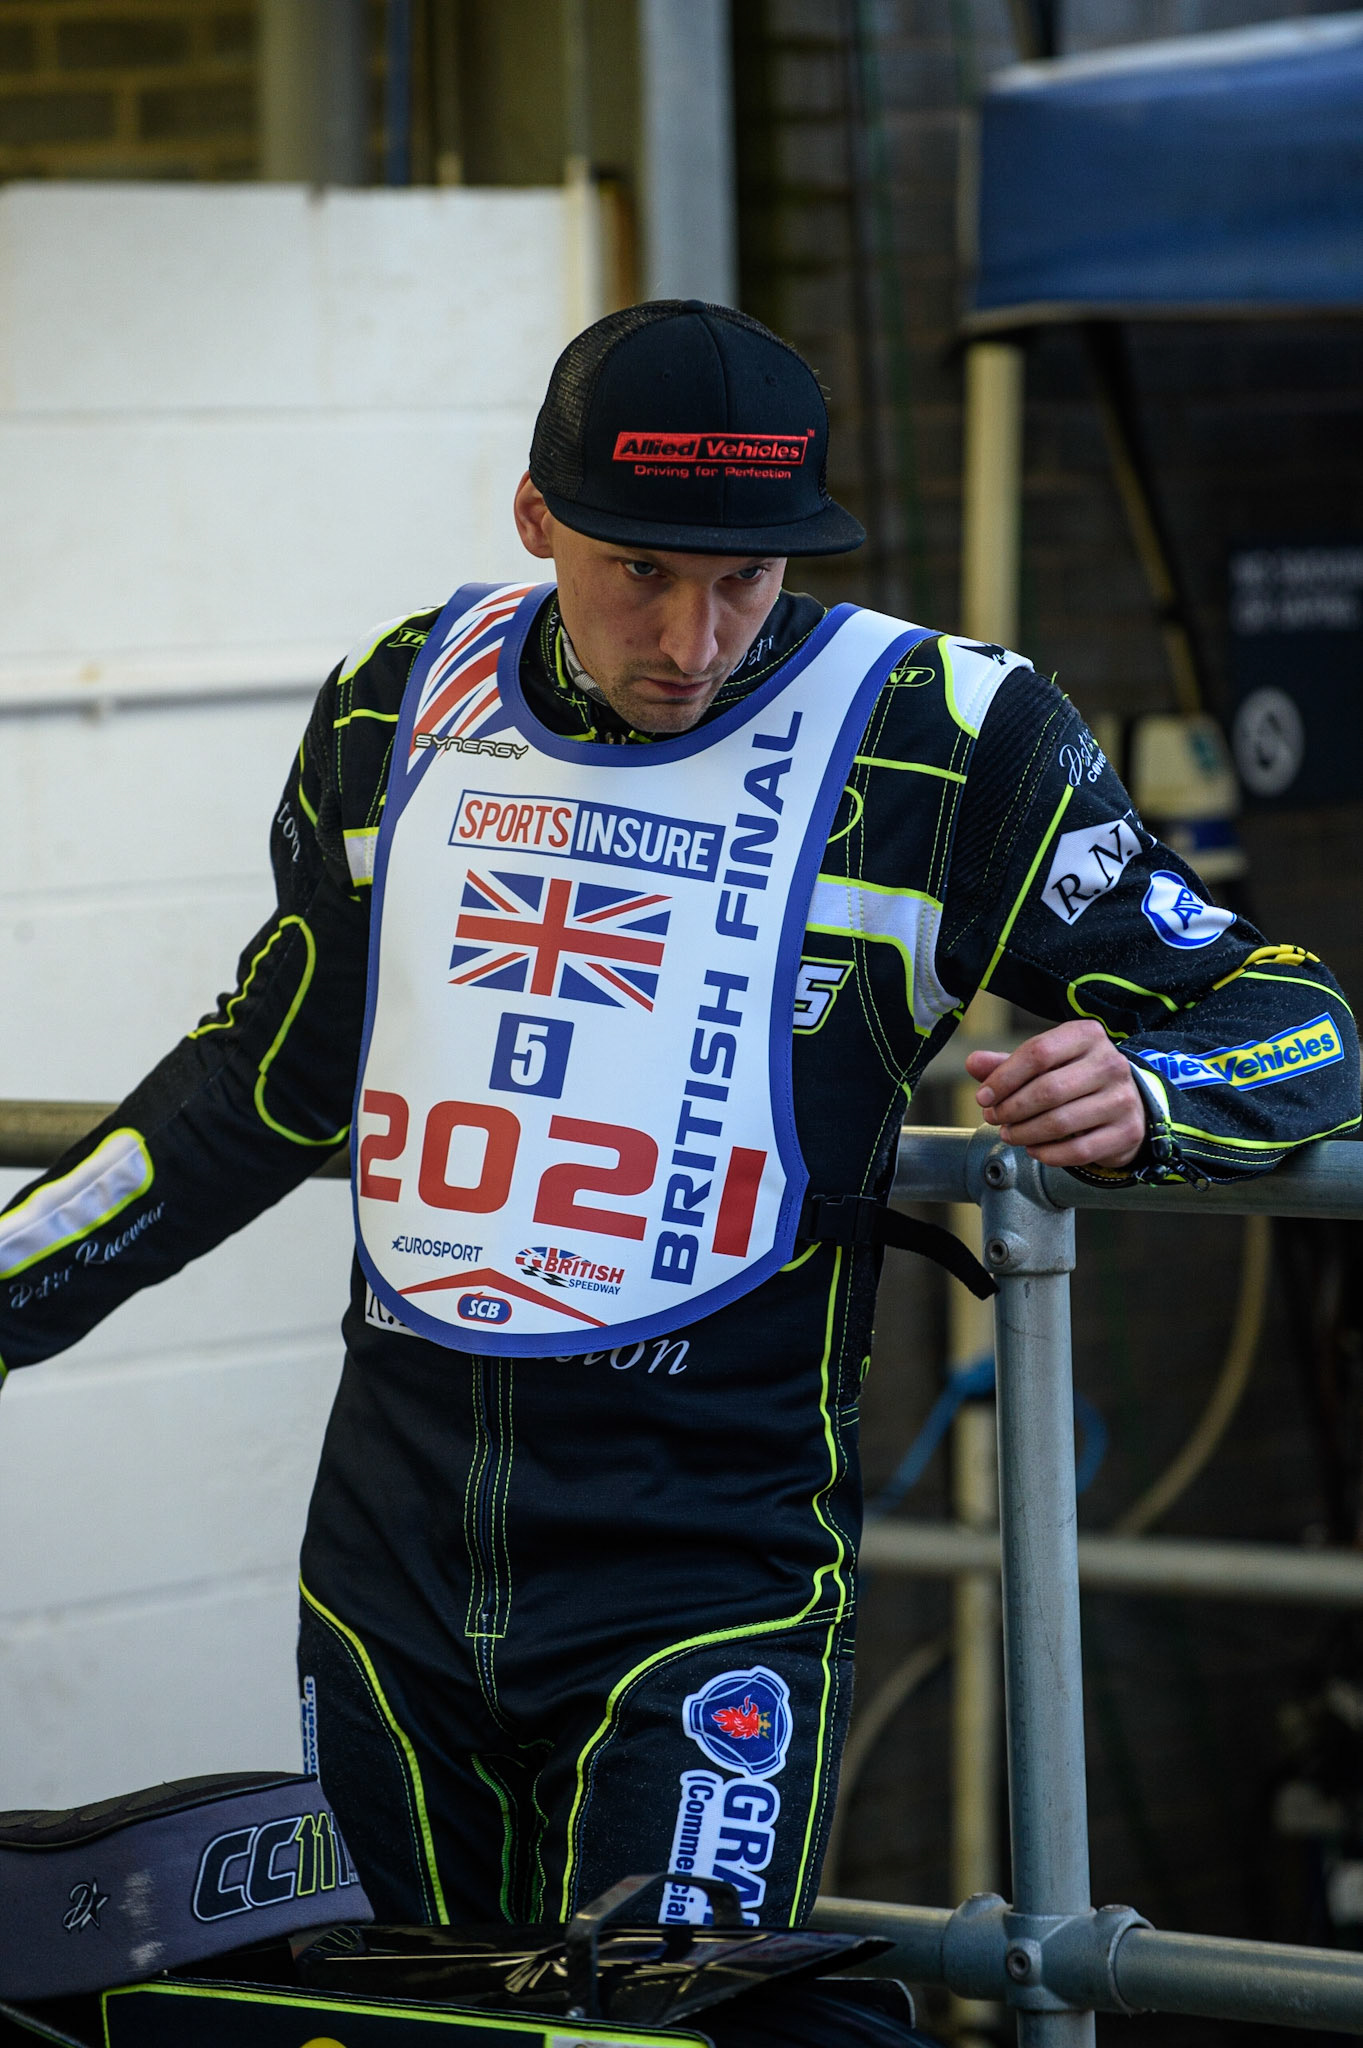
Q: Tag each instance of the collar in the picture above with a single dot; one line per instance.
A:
(576, 674)
(569, 701)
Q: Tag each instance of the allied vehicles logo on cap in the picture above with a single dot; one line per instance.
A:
(734, 452)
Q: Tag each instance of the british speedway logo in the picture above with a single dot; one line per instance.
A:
(545, 935)
(558, 1267)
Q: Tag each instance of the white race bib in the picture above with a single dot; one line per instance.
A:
(574, 1122)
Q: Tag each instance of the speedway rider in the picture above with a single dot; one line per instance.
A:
(578, 1573)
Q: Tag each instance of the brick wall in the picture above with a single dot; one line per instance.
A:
(127, 89)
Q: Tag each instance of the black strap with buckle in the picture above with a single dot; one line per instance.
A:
(857, 1220)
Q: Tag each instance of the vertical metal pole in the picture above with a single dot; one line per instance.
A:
(991, 493)
(397, 93)
(991, 511)
(1030, 1249)
(577, 102)
(976, 1692)
(689, 221)
(313, 91)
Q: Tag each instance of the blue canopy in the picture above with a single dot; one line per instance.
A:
(1210, 175)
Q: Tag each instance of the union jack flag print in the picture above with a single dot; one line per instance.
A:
(546, 935)
(460, 696)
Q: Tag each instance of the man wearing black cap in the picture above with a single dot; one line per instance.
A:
(578, 1571)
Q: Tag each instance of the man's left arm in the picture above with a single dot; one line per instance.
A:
(1191, 1048)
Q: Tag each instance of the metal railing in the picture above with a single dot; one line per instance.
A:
(1048, 1954)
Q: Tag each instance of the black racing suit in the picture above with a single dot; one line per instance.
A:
(551, 1608)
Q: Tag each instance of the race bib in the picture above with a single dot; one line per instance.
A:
(574, 1123)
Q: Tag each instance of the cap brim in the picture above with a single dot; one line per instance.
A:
(831, 531)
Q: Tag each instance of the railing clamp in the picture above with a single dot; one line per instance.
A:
(1037, 1962)
(1024, 1233)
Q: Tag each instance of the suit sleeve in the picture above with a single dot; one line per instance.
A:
(235, 1116)
(1062, 902)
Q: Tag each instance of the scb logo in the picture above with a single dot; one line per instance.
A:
(269, 1864)
(484, 1308)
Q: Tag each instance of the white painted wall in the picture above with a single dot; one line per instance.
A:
(237, 426)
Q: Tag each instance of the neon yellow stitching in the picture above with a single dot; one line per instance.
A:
(226, 1022)
(508, 1834)
(1028, 879)
(854, 885)
(1010, 824)
(383, 717)
(796, 1263)
(838, 931)
(473, 1487)
(263, 1072)
(430, 2015)
(308, 812)
(949, 682)
(909, 767)
(949, 687)
(1295, 981)
(413, 1767)
(352, 668)
(1117, 981)
(831, 1440)
(858, 806)
(1283, 1145)
(737, 1633)
(1262, 956)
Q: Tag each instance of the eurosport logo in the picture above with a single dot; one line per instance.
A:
(607, 834)
(724, 448)
(742, 1721)
(438, 1248)
(1179, 916)
(1258, 1062)
(725, 1828)
(267, 1865)
(560, 1268)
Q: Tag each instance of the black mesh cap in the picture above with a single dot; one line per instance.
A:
(686, 426)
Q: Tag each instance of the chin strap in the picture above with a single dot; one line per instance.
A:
(857, 1220)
